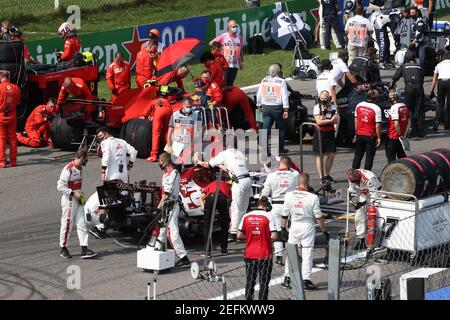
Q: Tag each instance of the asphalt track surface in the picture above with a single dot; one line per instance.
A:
(30, 265)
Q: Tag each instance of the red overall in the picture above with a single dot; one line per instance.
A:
(145, 67)
(118, 78)
(233, 97)
(9, 99)
(170, 77)
(71, 46)
(161, 111)
(37, 129)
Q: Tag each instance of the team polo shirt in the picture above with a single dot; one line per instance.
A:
(443, 70)
(398, 112)
(367, 115)
(328, 113)
(224, 188)
(257, 226)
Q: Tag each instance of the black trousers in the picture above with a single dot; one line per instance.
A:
(383, 43)
(443, 107)
(364, 145)
(253, 268)
(414, 99)
(332, 22)
(223, 208)
(230, 76)
(394, 150)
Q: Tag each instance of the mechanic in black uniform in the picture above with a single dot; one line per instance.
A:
(413, 76)
(330, 10)
(418, 28)
(366, 68)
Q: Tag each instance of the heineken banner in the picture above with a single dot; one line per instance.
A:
(129, 40)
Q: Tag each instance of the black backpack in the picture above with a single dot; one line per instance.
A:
(256, 44)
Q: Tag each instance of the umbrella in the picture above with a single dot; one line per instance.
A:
(178, 54)
(280, 27)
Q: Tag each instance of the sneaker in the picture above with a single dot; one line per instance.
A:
(323, 180)
(286, 283)
(209, 255)
(279, 261)
(232, 237)
(329, 179)
(183, 263)
(151, 159)
(224, 252)
(360, 244)
(309, 285)
(96, 232)
(87, 254)
(65, 253)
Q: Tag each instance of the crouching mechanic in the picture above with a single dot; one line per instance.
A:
(233, 162)
(171, 190)
(72, 202)
(37, 128)
(115, 153)
(304, 209)
(277, 184)
(360, 183)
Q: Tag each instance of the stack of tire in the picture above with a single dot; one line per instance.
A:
(421, 175)
(12, 60)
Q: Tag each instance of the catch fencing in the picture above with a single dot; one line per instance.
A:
(418, 240)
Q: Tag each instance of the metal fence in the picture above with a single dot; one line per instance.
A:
(418, 240)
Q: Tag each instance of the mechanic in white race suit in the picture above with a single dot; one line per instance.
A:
(277, 184)
(233, 162)
(72, 200)
(360, 183)
(171, 190)
(303, 208)
(115, 153)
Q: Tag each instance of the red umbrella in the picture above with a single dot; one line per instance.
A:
(177, 54)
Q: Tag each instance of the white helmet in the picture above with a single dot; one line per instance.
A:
(400, 57)
(65, 28)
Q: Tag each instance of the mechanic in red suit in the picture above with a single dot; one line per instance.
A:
(75, 86)
(213, 90)
(232, 97)
(145, 63)
(9, 99)
(219, 57)
(159, 111)
(72, 44)
(174, 76)
(118, 76)
(214, 68)
(37, 128)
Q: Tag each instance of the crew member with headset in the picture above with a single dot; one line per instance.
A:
(233, 162)
(303, 208)
(413, 76)
(330, 9)
(115, 154)
(171, 189)
(277, 184)
(441, 78)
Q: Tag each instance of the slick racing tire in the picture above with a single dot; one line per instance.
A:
(65, 136)
(11, 52)
(138, 133)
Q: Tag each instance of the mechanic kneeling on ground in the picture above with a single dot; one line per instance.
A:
(171, 189)
(360, 183)
(303, 208)
(277, 184)
(206, 201)
(72, 202)
(37, 128)
(413, 75)
(258, 228)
